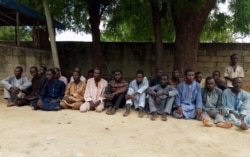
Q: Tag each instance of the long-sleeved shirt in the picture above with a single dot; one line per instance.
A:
(75, 90)
(139, 88)
(82, 78)
(189, 98)
(211, 101)
(37, 85)
(163, 90)
(21, 83)
(52, 90)
(231, 73)
(238, 103)
(93, 92)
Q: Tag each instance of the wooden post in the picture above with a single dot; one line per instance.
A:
(17, 30)
(51, 35)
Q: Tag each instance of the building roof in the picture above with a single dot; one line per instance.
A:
(27, 16)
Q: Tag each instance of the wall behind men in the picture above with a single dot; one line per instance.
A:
(128, 57)
(11, 56)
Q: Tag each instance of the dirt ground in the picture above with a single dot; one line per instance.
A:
(67, 133)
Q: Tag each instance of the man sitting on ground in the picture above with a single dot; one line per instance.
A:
(94, 93)
(161, 98)
(73, 97)
(14, 85)
(115, 92)
(51, 94)
(235, 102)
(211, 98)
(136, 94)
(188, 99)
(32, 92)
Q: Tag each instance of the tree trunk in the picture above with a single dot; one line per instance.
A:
(157, 32)
(51, 35)
(94, 19)
(188, 27)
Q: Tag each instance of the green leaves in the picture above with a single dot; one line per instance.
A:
(8, 33)
(125, 20)
(241, 16)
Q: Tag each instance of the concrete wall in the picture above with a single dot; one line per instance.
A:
(11, 56)
(128, 57)
(132, 56)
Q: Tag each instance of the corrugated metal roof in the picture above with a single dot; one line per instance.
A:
(27, 16)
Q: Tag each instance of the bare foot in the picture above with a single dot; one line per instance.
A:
(10, 103)
(108, 112)
(63, 105)
(141, 113)
(243, 126)
(206, 122)
(153, 116)
(164, 117)
(224, 125)
(113, 111)
(126, 113)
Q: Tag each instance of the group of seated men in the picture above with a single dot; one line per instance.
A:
(180, 97)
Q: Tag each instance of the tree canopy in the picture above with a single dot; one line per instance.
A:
(131, 21)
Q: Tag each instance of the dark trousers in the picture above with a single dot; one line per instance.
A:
(117, 101)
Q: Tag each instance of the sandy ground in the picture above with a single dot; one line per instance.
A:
(67, 133)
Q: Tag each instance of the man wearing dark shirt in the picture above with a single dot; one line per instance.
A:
(157, 79)
(32, 93)
(51, 94)
(115, 92)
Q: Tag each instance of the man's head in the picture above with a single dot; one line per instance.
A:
(158, 72)
(237, 83)
(90, 73)
(216, 74)
(234, 59)
(79, 69)
(97, 74)
(198, 76)
(18, 71)
(164, 80)
(42, 70)
(189, 76)
(118, 75)
(112, 75)
(50, 74)
(58, 73)
(210, 83)
(34, 71)
(175, 73)
(76, 76)
(139, 76)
